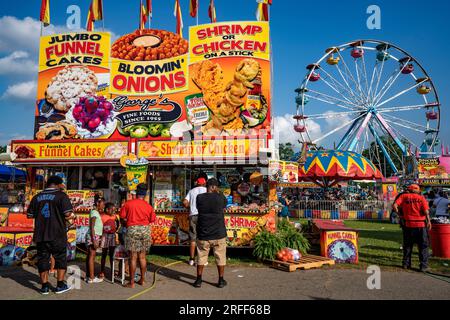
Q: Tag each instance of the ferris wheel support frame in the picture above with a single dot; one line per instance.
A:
(383, 148)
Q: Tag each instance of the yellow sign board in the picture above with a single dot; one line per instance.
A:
(84, 48)
(229, 39)
(80, 150)
(166, 150)
(144, 78)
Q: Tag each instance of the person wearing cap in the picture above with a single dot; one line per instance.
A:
(138, 214)
(211, 231)
(413, 210)
(190, 203)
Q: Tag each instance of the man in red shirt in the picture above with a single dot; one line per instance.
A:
(137, 214)
(415, 222)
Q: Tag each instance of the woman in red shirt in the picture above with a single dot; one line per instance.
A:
(137, 215)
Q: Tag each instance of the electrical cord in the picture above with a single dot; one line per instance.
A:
(154, 280)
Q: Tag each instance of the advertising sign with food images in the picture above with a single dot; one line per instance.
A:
(230, 78)
(434, 171)
(149, 80)
(73, 84)
(163, 86)
(284, 172)
(200, 149)
(69, 151)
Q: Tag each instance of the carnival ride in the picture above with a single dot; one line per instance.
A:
(365, 95)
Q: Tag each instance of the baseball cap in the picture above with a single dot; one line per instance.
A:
(414, 187)
(201, 181)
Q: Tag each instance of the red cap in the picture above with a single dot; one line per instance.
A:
(201, 181)
(414, 187)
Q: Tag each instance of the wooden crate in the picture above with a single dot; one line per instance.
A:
(306, 262)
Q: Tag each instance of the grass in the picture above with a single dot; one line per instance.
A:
(379, 244)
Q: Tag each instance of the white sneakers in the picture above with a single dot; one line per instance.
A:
(95, 280)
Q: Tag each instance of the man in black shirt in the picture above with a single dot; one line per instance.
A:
(51, 209)
(211, 232)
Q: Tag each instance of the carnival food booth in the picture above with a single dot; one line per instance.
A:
(190, 108)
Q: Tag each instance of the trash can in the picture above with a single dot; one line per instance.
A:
(440, 240)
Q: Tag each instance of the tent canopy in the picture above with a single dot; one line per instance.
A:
(328, 167)
(12, 174)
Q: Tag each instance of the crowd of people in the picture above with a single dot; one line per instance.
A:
(53, 214)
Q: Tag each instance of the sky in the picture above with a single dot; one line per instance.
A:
(300, 32)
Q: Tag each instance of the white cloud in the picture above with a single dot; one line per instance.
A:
(18, 62)
(5, 138)
(23, 91)
(336, 119)
(284, 130)
(24, 33)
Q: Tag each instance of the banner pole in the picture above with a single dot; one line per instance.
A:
(103, 18)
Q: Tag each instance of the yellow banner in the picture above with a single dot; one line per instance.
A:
(149, 78)
(70, 150)
(86, 48)
(6, 239)
(24, 240)
(240, 148)
(229, 39)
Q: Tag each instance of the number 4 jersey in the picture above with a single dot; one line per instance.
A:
(49, 208)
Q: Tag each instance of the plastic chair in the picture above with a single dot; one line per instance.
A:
(121, 255)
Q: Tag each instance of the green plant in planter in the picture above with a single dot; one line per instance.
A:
(267, 245)
(291, 237)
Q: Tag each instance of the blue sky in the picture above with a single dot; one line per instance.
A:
(301, 31)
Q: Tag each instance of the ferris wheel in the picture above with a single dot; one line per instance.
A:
(368, 95)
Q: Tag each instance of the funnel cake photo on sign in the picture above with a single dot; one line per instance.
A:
(70, 84)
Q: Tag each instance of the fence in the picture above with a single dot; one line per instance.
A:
(341, 209)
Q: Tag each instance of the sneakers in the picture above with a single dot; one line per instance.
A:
(63, 288)
(45, 289)
(222, 283)
(95, 280)
(424, 269)
(198, 283)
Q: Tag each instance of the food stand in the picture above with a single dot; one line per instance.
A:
(191, 108)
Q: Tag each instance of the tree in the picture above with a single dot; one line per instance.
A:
(2, 149)
(375, 154)
(286, 151)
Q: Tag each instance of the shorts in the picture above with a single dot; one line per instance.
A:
(219, 248)
(97, 239)
(138, 238)
(284, 213)
(193, 228)
(108, 240)
(57, 249)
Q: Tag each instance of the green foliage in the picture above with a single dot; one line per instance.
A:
(267, 245)
(286, 151)
(2, 149)
(375, 154)
(291, 237)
